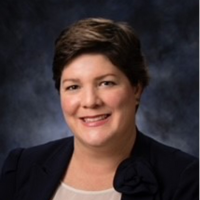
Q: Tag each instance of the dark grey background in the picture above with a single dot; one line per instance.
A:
(30, 111)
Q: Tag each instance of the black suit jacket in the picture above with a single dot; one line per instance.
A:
(153, 172)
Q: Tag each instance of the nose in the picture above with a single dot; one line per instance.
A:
(90, 98)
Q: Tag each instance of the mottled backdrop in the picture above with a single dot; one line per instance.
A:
(30, 111)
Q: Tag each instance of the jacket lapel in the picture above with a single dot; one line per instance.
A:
(141, 148)
(46, 177)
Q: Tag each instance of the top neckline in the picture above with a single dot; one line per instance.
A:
(64, 185)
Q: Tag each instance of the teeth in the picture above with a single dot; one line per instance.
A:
(94, 119)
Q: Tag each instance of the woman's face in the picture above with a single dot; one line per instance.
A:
(98, 101)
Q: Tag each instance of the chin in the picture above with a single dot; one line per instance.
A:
(96, 141)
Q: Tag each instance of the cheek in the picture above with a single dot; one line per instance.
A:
(69, 105)
(119, 99)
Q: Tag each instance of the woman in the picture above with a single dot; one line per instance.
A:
(100, 74)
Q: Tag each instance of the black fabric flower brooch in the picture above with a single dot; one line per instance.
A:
(135, 179)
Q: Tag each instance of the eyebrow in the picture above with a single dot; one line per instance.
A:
(77, 80)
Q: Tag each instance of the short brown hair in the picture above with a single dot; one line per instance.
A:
(116, 40)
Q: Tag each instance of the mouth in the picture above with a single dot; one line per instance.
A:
(95, 120)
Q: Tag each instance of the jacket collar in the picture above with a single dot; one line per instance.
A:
(46, 177)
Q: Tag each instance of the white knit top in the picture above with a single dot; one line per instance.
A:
(65, 192)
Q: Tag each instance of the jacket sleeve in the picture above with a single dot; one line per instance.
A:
(8, 175)
(188, 188)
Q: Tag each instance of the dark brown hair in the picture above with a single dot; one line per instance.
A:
(116, 40)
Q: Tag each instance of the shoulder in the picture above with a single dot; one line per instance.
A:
(28, 156)
(167, 157)
(21, 165)
(174, 169)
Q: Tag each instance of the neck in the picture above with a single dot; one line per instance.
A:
(93, 168)
(106, 158)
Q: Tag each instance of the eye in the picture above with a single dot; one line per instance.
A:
(107, 83)
(72, 87)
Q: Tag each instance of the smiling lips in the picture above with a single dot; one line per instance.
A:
(93, 121)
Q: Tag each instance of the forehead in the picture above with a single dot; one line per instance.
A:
(90, 64)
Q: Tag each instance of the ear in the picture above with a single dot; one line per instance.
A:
(138, 89)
